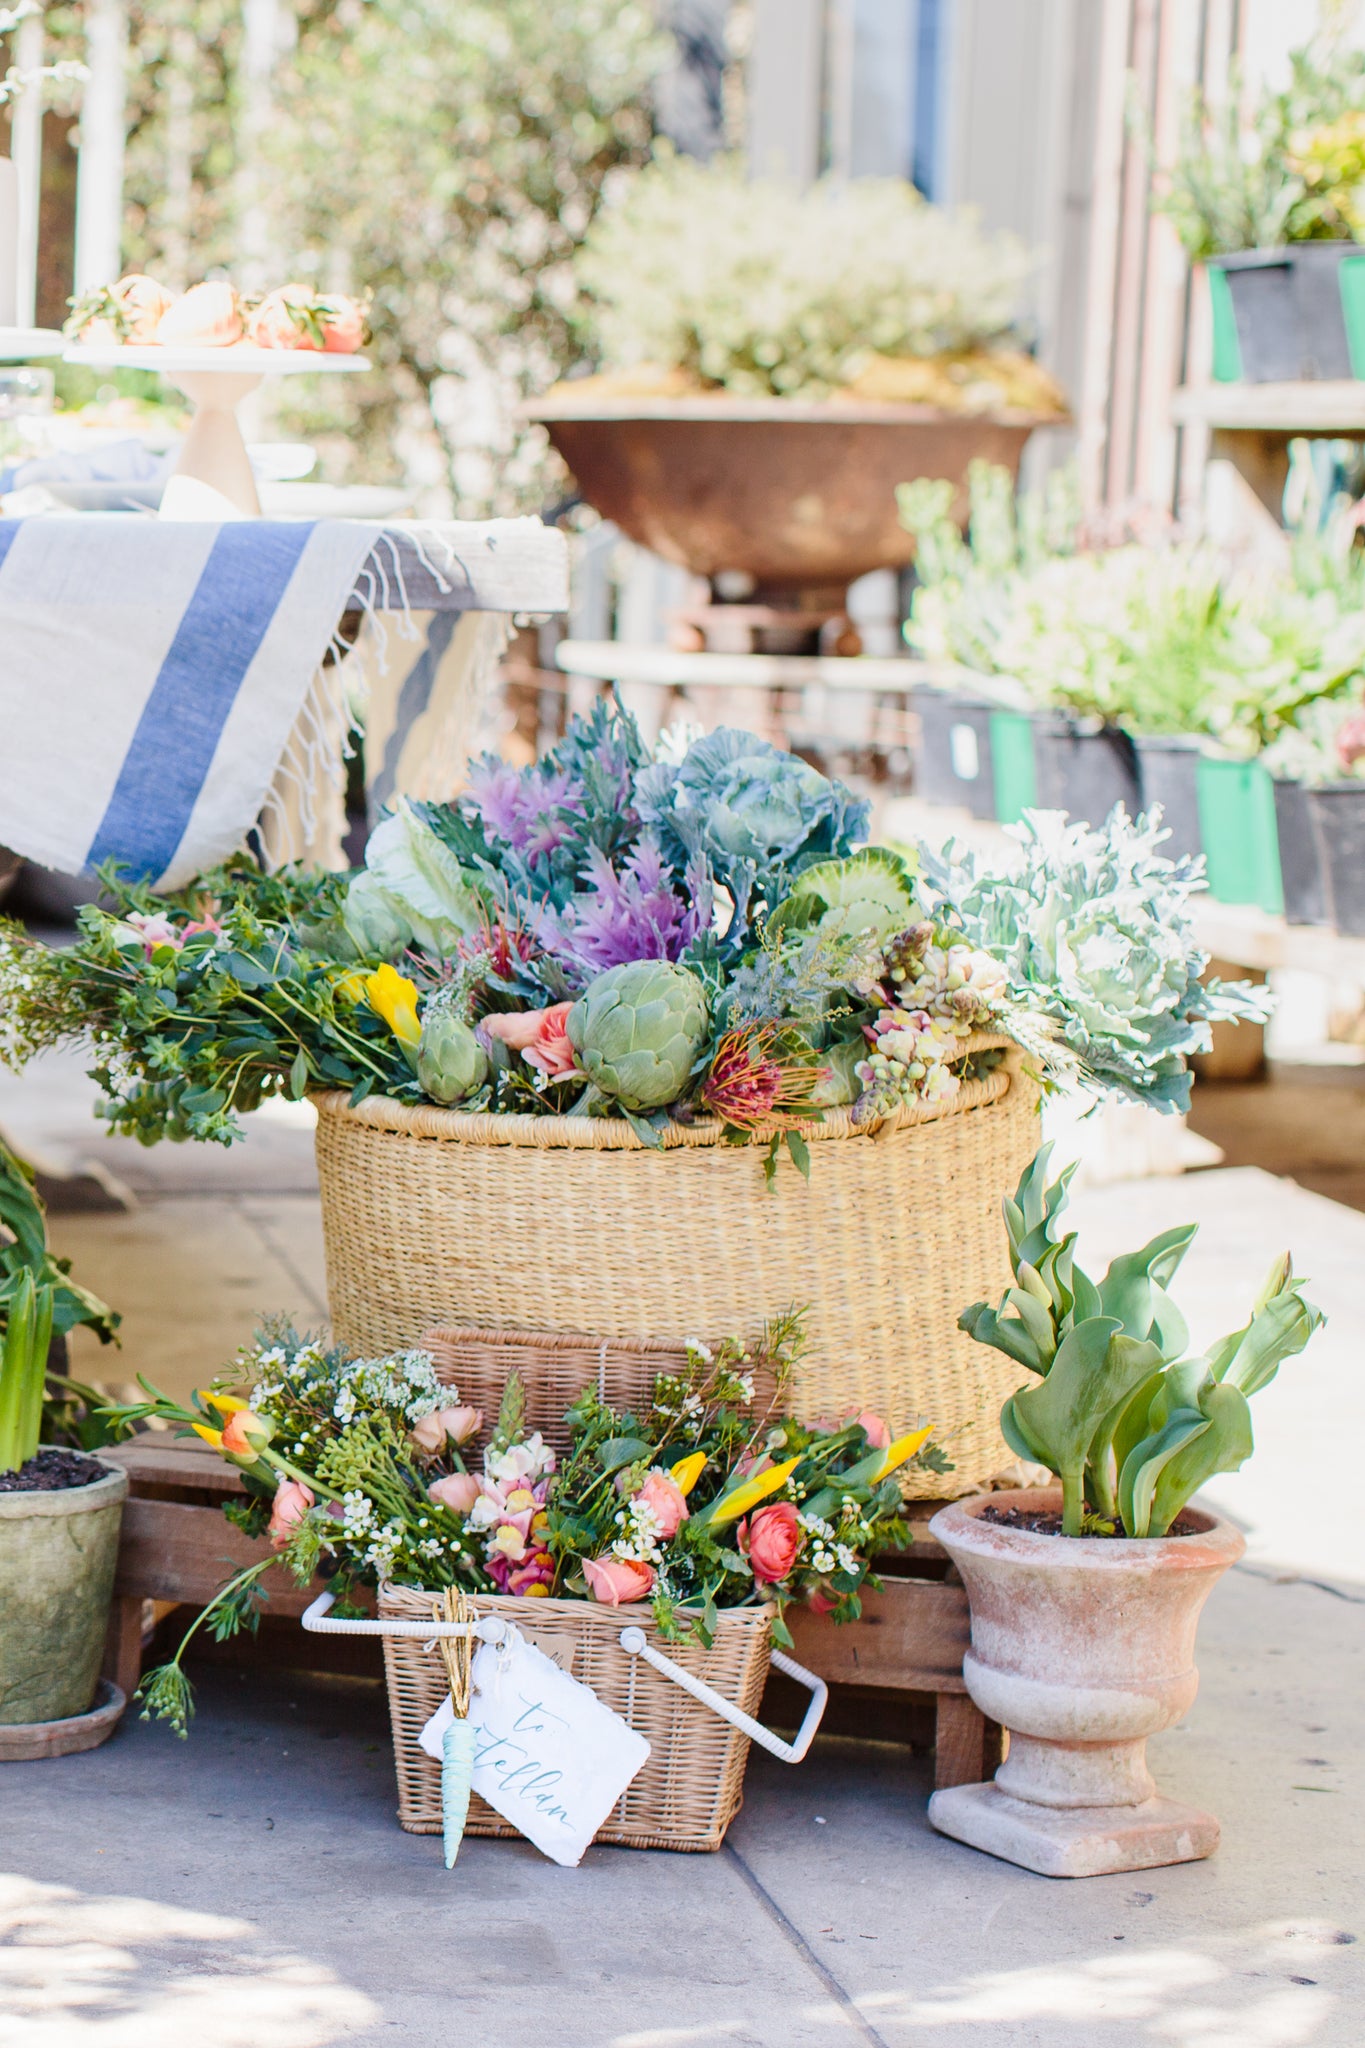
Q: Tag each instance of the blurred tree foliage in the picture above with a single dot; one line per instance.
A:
(445, 155)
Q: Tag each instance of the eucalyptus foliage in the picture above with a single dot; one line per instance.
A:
(1129, 1424)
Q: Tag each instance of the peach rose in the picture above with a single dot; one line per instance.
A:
(772, 1539)
(291, 1503)
(343, 324)
(278, 322)
(453, 1425)
(207, 317)
(458, 1493)
(551, 1050)
(618, 1581)
(144, 303)
(666, 1502)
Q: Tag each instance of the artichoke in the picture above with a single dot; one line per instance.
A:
(637, 1031)
(451, 1063)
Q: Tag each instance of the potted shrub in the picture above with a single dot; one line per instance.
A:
(1267, 201)
(1085, 1599)
(774, 362)
(60, 1509)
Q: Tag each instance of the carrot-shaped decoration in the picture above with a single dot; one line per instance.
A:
(457, 1746)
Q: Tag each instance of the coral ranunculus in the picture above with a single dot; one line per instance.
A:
(522, 1028)
(447, 1425)
(458, 1492)
(772, 1540)
(618, 1581)
(245, 1434)
(666, 1501)
(291, 1503)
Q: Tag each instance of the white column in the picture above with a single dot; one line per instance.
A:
(263, 30)
(785, 87)
(99, 170)
(26, 148)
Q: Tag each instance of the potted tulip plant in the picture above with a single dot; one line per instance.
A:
(1085, 1600)
(60, 1509)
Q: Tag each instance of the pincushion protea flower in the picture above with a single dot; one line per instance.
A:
(762, 1078)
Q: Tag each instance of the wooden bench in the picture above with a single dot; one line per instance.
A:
(178, 1547)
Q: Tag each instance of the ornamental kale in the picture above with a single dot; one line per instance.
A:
(644, 911)
(1095, 931)
(756, 815)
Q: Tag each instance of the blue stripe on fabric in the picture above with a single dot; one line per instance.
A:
(239, 588)
(9, 532)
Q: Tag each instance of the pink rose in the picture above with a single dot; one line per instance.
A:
(537, 1034)
(551, 1050)
(873, 1428)
(666, 1502)
(458, 1493)
(771, 1539)
(618, 1581)
(291, 1503)
(821, 1601)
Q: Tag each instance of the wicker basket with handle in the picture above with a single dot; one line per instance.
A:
(691, 1785)
(435, 1217)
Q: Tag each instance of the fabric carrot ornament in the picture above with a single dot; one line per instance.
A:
(457, 1744)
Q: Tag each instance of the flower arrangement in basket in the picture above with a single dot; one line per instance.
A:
(703, 1511)
(687, 939)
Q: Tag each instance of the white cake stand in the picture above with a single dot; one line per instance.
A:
(25, 344)
(216, 380)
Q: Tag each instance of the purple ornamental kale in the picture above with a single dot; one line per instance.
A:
(644, 912)
(522, 808)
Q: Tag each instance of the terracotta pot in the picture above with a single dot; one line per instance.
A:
(800, 495)
(1082, 1647)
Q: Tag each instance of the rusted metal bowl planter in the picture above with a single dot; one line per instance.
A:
(800, 495)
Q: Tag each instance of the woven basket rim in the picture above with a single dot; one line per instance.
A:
(614, 1134)
(557, 1607)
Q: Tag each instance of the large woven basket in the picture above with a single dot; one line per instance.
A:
(433, 1217)
(691, 1785)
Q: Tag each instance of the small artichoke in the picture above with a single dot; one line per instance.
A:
(637, 1031)
(451, 1063)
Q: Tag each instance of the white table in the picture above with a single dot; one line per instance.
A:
(215, 380)
(26, 344)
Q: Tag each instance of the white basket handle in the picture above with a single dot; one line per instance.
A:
(317, 1621)
(635, 1643)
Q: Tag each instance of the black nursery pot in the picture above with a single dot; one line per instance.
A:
(1168, 774)
(1287, 307)
(1338, 811)
(1301, 871)
(953, 762)
(1084, 773)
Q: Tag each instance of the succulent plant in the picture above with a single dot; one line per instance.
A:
(637, 1030)
(1130, 1425)
(451, 1063)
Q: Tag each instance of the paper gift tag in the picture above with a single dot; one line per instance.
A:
(548, 1756)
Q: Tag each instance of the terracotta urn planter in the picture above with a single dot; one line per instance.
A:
(798, 494)
(1082, 1647)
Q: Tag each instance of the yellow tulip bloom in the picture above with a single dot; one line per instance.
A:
(394, 998)
(351, 985)
(226, 1404)
(687, 1472)
(752, 1491)
(210, 1436)
(902, 1449)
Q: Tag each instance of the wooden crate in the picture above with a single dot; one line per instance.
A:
(178, 1547)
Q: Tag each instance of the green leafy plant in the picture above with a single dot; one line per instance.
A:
(1129, 1424)
(23, 1363)
(759, 287)
(1287, 169)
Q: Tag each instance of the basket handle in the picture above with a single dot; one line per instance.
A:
(317, 1621)
(635, 1643)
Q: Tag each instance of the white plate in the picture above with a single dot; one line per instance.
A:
(22, 344)
(332, 501)
(241, 359)
(281, 462)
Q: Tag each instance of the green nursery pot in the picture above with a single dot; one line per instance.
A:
(1241, 841)
(1016, 779)
(57, 1558)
